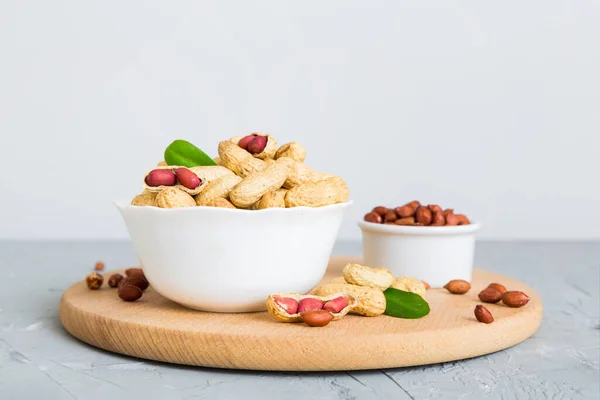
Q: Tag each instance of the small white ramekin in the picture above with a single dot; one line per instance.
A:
(434, 254)
(229, 260)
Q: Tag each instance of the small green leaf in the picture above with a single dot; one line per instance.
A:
(185, 154)
(401, 304)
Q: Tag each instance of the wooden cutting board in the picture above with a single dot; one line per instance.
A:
(156, 328)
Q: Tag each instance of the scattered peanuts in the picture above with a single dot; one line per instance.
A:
(99, 266)
(490, 295)
(114, 280)
(515, 299)
(416, 214)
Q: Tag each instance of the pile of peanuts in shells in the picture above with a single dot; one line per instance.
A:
(416, 214)
(129, 287)
(252, 173)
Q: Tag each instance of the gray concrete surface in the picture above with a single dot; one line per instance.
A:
(39, 359)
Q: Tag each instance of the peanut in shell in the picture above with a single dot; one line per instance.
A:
(361, 275)
(250, 190)
(317, 194)
(219, 187)
(371, 301)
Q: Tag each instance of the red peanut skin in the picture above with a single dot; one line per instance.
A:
(257, 145)
(317, 317)
(438, 218)
(287, 304)
(161, 177)
(381, 210)
(336, 305)
(406, 211)
(187, 178)
(243, 143)
(309, 304)
(390, 216)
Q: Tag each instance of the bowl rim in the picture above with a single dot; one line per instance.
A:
(125, 205)
(406, 230)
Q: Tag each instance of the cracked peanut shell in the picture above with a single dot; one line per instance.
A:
(209, 173)
(356, 274)
(173, 197)
(371, 301)
(276, 311)
(317, 194)
(158, 189)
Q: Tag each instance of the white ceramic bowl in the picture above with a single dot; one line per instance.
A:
(434, 254)
(229, 260)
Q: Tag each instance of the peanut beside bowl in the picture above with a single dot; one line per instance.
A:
(229, 260)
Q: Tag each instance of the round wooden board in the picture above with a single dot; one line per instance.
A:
(156, 328)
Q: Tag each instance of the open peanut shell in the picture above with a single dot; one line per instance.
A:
(276, 310)
(191, 192)
(269, 150)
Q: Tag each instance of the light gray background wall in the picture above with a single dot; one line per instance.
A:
(491, 108)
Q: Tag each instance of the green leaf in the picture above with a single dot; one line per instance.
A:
(185, 154)
(401, 304)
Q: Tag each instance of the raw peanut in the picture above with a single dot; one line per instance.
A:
(317, 194)
(114, 280)
(273, 199)
(336, 305)
(187, 178)
(448, 211)
(210, 173)
(462, 219)
(415, 204)
(380, 210)
(146, 198)
(483, 315)
(135, 272)
(435, 208)
(309, 304)
(301, 173)
(515, 298)
(373, 217)
(370, 301)
(161, 164)
(356, 274)
(219, 187)
(220, 202)
(405, 221)
(99, 266)
(257, 145)
(438, 218)
(458, 286)
(423, 216)
(452, 219)
(390, 216)
(427, 287)
(287, 304)
(408, 284)
(263, 146)
(160, 177)
(129, 292)
(174, 198)
(490, 295)
(94, 281)
(317, 318)
(498, 287)
(239, 160)
(139, 281)
(252, 188)
(292, 150)
(245, 141)
(285, 307)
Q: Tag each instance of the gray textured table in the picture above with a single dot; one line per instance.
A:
(39, 359)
